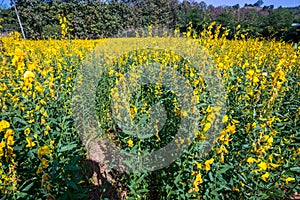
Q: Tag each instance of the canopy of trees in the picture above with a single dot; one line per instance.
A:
(96, 19)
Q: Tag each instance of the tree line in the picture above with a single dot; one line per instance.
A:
(97, 19)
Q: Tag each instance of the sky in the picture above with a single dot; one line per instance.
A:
(276, 3)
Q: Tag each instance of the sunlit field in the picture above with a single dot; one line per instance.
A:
(255, 154)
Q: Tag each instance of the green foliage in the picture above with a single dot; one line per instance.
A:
(96, 19)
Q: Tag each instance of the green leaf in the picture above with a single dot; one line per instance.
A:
(73, 168)
(28, 187)
(21, 194)
(68, 147)
(72, 184)
(224, 169)
(295, 169)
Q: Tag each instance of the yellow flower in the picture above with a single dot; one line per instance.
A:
(222, 149)
(8, 133)
(254, 125)
(198, 180)
(251, 160)
(2, 144)
(130, 143)
(249, 73)
(43, 102)
(288, 179)
(262, 166)
(225, 119)
(208, 163)
(29, 142)
(274, 165)
(19, 52)
(247, 128)
(4, 125)
(39, 170)
(45, 177)
(265, 176)
(206, 127)
(199, 166)
(255, 80)
(111, 72)
(231, 129)
(27, 131)
(28, 75)
(44, 163)
(10, 140)
(225, 139)
(209, 109)
(242, 184)
(44, 150)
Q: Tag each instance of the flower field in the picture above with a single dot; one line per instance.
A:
(255, 154)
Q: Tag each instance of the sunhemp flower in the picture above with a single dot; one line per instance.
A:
(262, 166)
(44, 150)
(4, 125)
(198, 179)
(251, 160)
(265, 176)
(206, 127)
(225, 119)
(30, 143)
(208, 163)
(130, 143)
(28, 75)
(288, 179)
(251, 75)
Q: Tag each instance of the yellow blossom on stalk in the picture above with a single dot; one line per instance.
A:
(242, 184)
(43, 102)
(236, 189)
(222, 149)
(209, 109)
(199, 165)
(19, 53)
(2, 144)
(249, 73)
(30, 143)
(45, 177)
(247, 128)
(288, 179)
(44, 163)
(27, 131)
(225, 139)
(265, 176)
(130, 143)
(44, 150)
(231, 128)
(10, 140)
(198, 179)
(28, 75)
(111, 72)
(251, 160)
(274, 165)
(8, 133)
(206, 127)
(225, 119)
(52, 143)
(208, 163)
(4, 125)
(262, 166)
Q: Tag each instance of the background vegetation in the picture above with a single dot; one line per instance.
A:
(95, 19)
